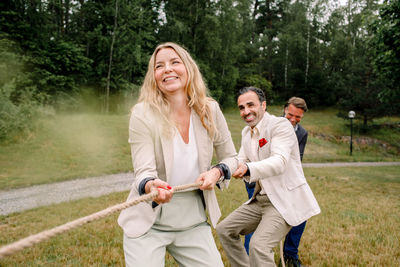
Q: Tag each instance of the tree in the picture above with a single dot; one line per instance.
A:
(363, 87)
(16, 113)
(386, 51)
(290, 57)
(55, 63)
(114, 32)
(211, 31)
(316, 49)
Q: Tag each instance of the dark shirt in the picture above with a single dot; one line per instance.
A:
(302, 135)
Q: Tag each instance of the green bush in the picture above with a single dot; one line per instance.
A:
(260, 82)
(17, 104)
(15, 119)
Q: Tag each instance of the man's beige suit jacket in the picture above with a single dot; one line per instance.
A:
(277, 167)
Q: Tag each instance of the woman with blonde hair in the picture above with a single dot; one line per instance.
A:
(173, 130)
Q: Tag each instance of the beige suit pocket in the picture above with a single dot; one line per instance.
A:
(292, 182)
(264, 151)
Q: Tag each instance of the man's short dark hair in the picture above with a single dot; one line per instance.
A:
(258, 91)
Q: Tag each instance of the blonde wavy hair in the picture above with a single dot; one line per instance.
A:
(195, 89)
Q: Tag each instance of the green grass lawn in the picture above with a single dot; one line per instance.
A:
(67, 147)
(358, 225)
(81, 145)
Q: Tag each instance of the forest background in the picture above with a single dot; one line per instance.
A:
(91, 55)
(70, 70)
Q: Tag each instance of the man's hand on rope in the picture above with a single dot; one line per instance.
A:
(240, 171)
(208, 179)
(165, 191)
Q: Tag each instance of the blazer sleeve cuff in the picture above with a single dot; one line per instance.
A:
(142, 190)
(224, 180)
(142, 185)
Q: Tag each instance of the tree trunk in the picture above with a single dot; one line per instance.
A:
(61, 16)
(107, 99)
(194, 27)
(365, 122)
(286, 64)
(253, 36)
(270, 37)
(66, 17)
(308, 55)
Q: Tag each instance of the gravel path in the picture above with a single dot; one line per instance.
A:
(349, 164)
(42, 195)
(21, 199)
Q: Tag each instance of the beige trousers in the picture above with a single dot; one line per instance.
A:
(194, 247)
(182, 230)
(269, 227)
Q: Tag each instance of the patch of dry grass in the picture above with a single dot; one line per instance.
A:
(96, 244)
(358, 225)
(359, 221)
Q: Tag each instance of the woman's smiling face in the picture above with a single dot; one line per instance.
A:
(170, 72)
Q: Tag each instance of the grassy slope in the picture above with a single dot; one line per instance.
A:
(324, 144)
(358, 225)
(67, 147)
(81, 145)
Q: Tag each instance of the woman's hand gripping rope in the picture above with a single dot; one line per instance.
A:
(163, 189)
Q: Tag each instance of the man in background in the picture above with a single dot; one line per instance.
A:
(294, 110)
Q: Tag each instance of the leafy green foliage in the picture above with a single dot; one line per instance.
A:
(16, 113)
(314, 49)
(260, 82)
(14, 118)
(385, 44)
(59, 67)
(211, 31)
(364, 87)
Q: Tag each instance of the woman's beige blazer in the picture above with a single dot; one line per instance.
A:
(152, 156)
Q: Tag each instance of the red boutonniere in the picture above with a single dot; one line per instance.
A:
(262, 142)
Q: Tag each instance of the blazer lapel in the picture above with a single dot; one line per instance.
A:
(203, 143)
(168, 153)
(205, 152)
(264, 133)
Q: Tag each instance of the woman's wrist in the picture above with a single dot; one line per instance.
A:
(221, 173)
(218, 174)
(148, 186)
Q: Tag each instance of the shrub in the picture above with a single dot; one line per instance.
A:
(15, 118)
(17, 104)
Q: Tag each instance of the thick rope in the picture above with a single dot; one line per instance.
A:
(42, 236)
(47, 234)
